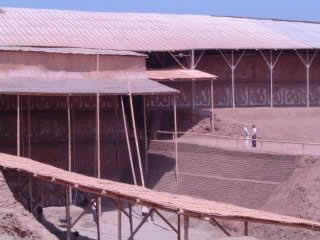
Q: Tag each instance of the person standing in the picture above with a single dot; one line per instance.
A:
(254, 135)
(246, 135)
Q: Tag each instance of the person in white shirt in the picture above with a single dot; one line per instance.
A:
(246, 135)
(254, 135)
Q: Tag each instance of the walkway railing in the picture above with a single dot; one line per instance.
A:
(302, 148)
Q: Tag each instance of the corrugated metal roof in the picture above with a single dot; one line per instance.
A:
(179, 74)
(138, 84)
(85, 51)
(150, 32)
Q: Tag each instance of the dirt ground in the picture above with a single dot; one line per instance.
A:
(157, 230)
(15, 221)
(293, 124)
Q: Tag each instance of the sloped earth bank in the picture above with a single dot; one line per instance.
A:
(15, 221)
(297, 197)
(294, 124)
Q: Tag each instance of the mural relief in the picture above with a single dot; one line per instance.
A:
(245, 95)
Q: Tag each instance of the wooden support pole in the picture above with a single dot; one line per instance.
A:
(117, 133)
(130, 219)
(179, 227)
(29, 128)
(186, 227)
(89, 207)
(18, 144)
(30, 194)
(136, 140)
(18, 126)
(246, 228)
(212, 107)
(220, 226)
(98, 211)
(119, 220)
(140, 225)
(68, 214)
(128, 141)
(175, 134)
(69, 143)
(98, 150)
(145, 135)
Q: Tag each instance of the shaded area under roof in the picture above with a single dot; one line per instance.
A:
(150, 32)
(179, 75)
(189, 206)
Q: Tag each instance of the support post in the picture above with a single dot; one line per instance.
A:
(98, 214)
(271, 64)
(119, 220)
(186, 227)
(69, 142)
(175, 134)
(18, 145)
(136, 139)
(145, 135)
(29, 128)
(18, 126)
(212, 107)
(98, 149)
(68, 214)
(232, 65)
(30, 194)
(130, 220)
(307, 63)
(246, 228)
(128, 141)
(179, 227)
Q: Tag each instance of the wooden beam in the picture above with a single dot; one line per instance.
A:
(175, 134)
(186, 227)
(128, 141)
(145, 135)
(98, 150)
(179, 227)
(69, 142)
(130, 220)
(30, 194)
(68, 214)
(98, 211)
(140, 225)
(89, 207)
(212, 107)
(119, 220)
(166, 221)
(246, 228)
(212, 220)
(136, 139)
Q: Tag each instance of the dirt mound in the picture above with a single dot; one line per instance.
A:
(295, 124)
(15, 221)
(298, 197)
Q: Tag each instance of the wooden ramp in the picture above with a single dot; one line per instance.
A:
(182, 205)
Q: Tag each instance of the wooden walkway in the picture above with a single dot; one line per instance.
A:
(182, 205)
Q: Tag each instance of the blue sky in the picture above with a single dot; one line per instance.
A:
(308, 10)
